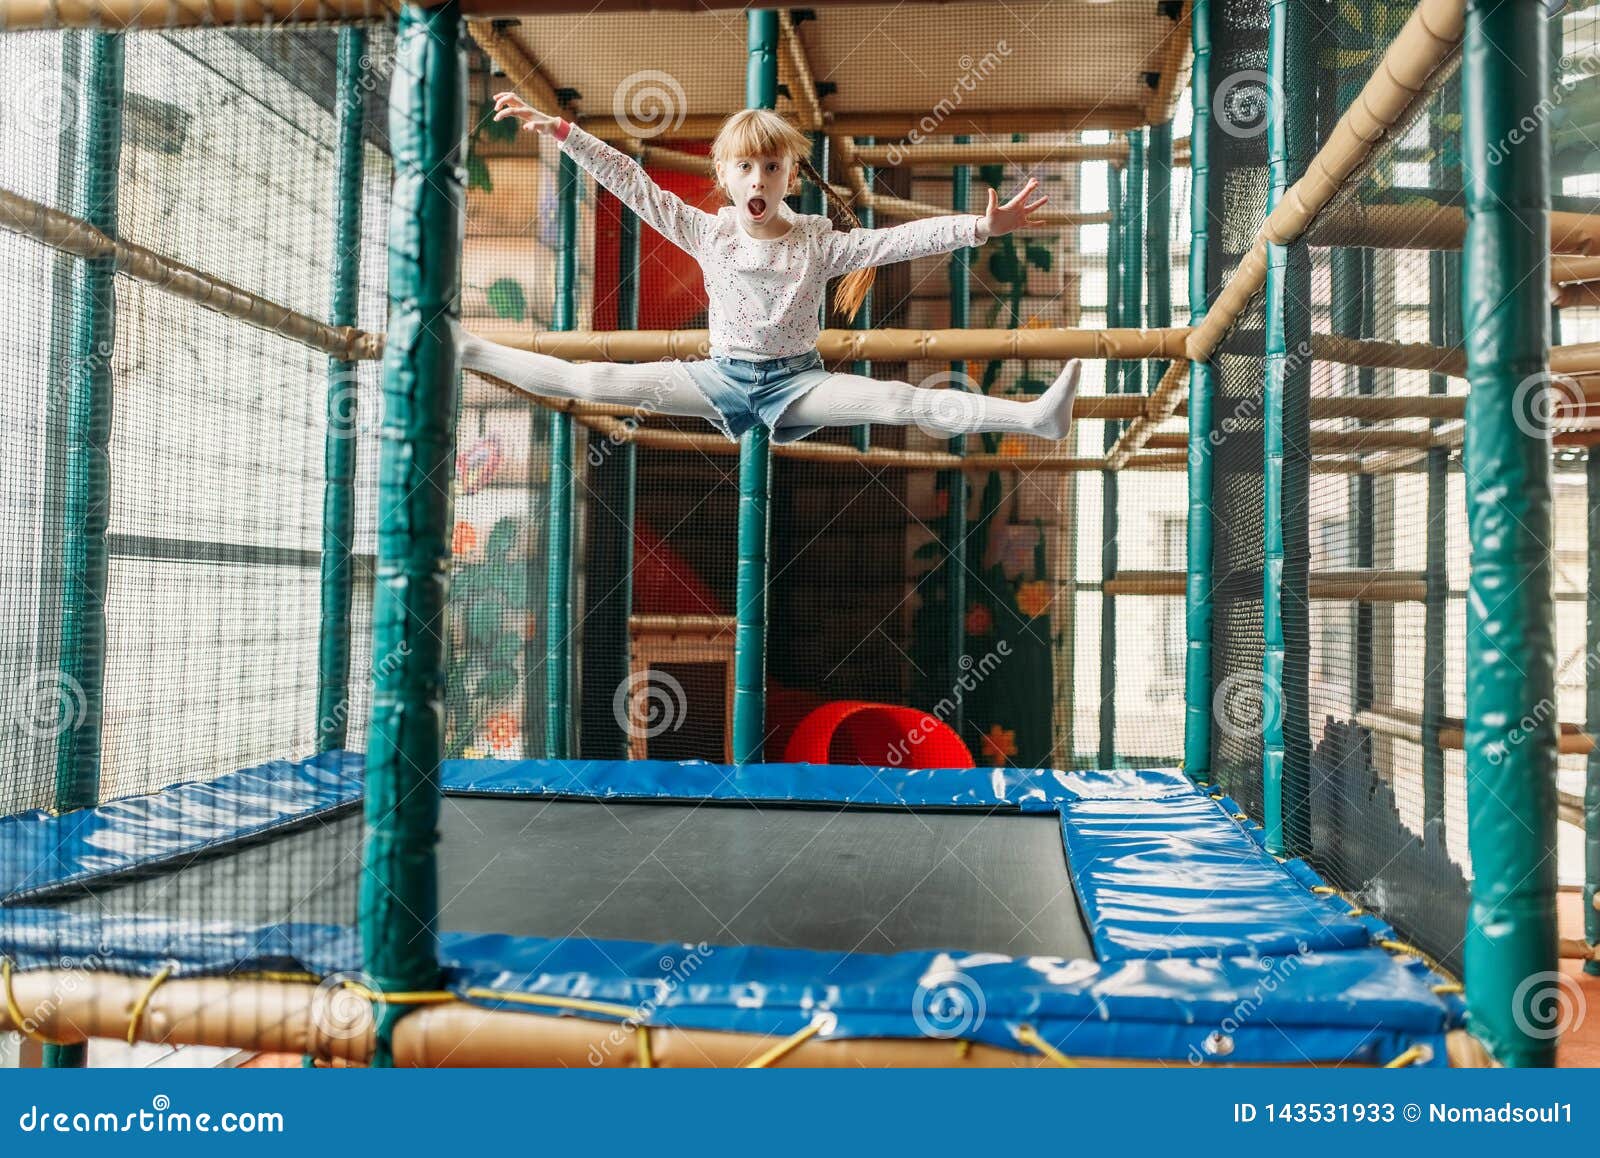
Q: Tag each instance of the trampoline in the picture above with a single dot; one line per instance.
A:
(684, 912)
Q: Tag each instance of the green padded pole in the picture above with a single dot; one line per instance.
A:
(563, 489)
(93, 84)
(1510, 955)
(1198, 596)
(1107, 750)
(1158, 238)
(1133, 234)
(755, 479)
(862, 435)
(421, 385)
(90, 333)
(1286, 740)
(955, 481)
(339, 454)
(1444, 329)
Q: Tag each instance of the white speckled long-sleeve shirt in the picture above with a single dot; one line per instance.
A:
(765, 296)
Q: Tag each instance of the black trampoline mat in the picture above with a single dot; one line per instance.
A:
(870, 881)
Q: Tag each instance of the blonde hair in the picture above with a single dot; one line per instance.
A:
(763, 133)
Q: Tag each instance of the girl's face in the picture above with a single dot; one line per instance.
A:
(757, 185)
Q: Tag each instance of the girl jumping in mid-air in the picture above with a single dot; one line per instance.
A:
(766, 271)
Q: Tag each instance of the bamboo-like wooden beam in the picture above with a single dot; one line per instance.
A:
(897, 126)
(72, 235)
(1019, 153)
(522, 75)
(1568, 270)
(483, 393)
(1438, 227)
(803, 79)
(1341, 586)
(877, 458)
(1405, 77)
(880, 345)
(1172, 71)
(275, 1016)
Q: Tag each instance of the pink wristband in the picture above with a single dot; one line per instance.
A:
(561, 130)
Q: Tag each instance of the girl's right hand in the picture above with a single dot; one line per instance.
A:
(509, 104)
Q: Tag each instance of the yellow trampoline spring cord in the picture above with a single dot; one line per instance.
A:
(1408, 1058)
(788, 1045)
(143, 1003)
(14, 1011)
(580, 1005)
(399, 997)
(1027, 1035)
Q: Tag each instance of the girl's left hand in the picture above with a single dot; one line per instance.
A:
(1014, 214)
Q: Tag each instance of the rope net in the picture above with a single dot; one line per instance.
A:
(200, 443)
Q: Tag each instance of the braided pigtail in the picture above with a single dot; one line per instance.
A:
(853, 288)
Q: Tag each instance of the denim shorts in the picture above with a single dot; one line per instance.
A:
(745, 393)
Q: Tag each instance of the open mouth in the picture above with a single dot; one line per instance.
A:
(757, 207)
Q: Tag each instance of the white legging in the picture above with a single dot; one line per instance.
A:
(838, 400)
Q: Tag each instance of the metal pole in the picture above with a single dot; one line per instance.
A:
(421, 386)
(755, 478)
(1286, 742)
(1511, 949)
(1198, 597)
(339, 456)
(563, 489)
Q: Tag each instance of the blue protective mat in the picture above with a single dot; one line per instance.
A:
(1208, 948)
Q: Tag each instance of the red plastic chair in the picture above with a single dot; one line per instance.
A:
(878, 735)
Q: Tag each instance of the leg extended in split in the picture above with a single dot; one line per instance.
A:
(656, 387)
(851, 399)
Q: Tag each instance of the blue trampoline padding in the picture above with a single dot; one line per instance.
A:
(1195, 925)
(1361, 1006)
(40, 850)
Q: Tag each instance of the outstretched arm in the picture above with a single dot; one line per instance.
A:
(862, 248)
(666, 213)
